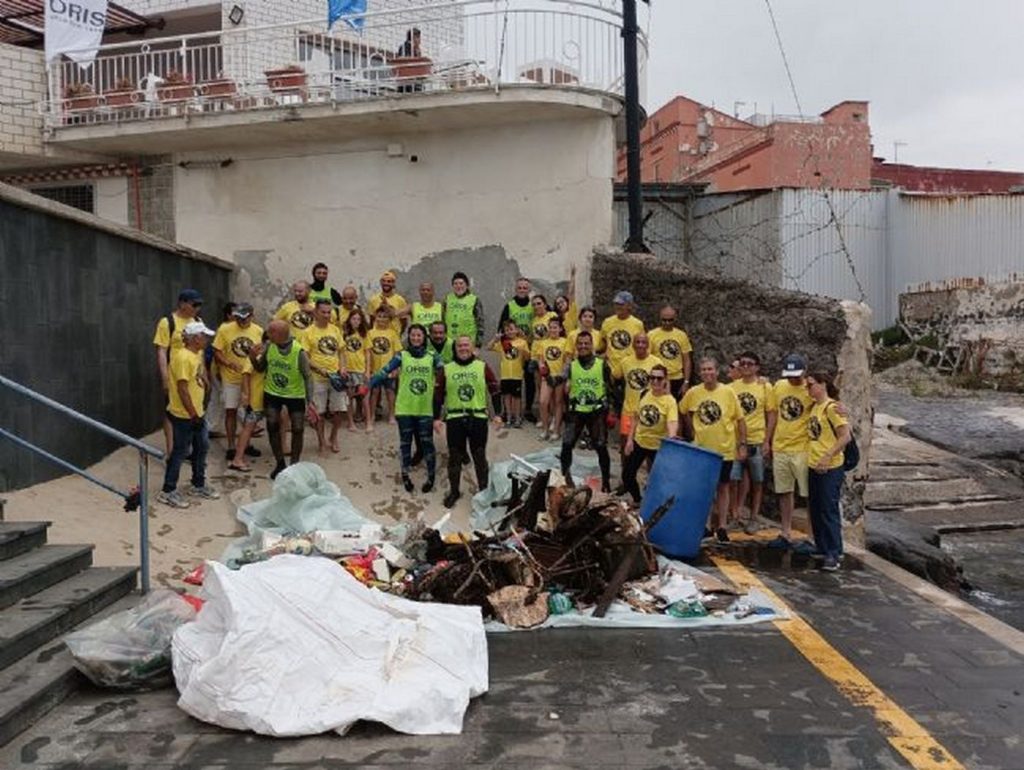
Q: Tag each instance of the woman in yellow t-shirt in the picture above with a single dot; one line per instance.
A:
(587, 318)
(829, 433)
(565, 304)
(549, 353)
(357, 364)
(657, 417)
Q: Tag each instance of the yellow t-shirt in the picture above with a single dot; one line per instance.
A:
(553, 353)
(384, 343)
(255, 385)
(186, 365)
(822, 435)
(570, 340)
(636, 374)
(715, 413)
(323, 346)
(162, 338)
(299, 316)
(513, 360)
(756, 399)
(355, 353)
(341, 314)
(653, 415)
(234, 343)
(396, 302)
(571, 322)
(670, 347)
(793, 404)
(539, 324)
(618, 335)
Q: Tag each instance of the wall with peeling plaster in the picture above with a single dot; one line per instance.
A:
(529, 198)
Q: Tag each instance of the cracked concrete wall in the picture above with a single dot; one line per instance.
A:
(526, 198)
(725, 316)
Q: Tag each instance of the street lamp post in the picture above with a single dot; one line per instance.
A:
(635, 240)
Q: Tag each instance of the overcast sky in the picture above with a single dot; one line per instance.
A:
(946, 77)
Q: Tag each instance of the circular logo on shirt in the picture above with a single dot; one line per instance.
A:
(649, 415)
(301, 319)
(240, 346)
(280, 380)
(354, 343)
(327, 345)
(791, 408)
(418, 386)
(814, 428)
(748, 402)
(621, 339)
(466, 392)
(638, 378)
(511, 352)
(586, 398)
(380, 345)
(709, 412)
(552, 354)
(669, 349)
(540, 330)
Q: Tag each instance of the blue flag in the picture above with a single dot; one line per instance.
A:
(338, 8)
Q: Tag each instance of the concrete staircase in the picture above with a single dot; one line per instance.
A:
(45, 591)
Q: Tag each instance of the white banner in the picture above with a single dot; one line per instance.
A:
(74, 28)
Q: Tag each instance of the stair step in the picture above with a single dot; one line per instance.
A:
(18, 537)
(35, 684)
(38, 619)
(31, 572)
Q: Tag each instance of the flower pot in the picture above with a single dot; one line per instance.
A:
(178, 92)
(216, 88)
(121, 98)
(411, 66)
(286, 80)
(75, 103)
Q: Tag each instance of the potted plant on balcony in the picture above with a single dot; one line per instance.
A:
(218, 87)
(176, 87)
(123, 94)
(290, 78)
(80, 96)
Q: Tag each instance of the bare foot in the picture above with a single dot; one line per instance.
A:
(335, 447)
(392, 421)
(369, 429)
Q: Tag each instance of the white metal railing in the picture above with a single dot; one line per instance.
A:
(466, 44)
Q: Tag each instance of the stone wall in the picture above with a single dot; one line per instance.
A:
(724, 317)
(22, 88)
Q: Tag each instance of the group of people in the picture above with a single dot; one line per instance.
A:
(325, 359)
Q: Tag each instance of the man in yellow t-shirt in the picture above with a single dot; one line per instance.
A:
(757, 398)
(298, 311)
(672, 346)
(713, 417)
(231, 346)
(384, 343)
(618, 331)
(349, 302)
(632, 374)
(325, 348)
(167, 339)
(185, 409)
(392, 302)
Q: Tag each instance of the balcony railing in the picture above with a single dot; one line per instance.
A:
(466, 44)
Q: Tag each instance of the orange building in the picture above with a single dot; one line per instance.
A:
(686, 141)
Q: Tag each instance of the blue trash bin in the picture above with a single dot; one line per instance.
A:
(689, 473)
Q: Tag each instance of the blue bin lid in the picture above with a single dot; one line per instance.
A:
(678, 442)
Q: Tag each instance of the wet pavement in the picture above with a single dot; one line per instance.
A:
(766, 696)
(993, 563)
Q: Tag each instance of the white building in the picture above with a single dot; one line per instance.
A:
(248, 130)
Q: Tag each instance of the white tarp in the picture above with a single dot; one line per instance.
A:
(297, 646)
(74, 28)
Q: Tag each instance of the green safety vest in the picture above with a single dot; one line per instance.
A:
(447, 351)
(284, 378)
(426, 315)
(586, 386)
(523, 317)
(415, 386)
(458, 315)
(324, 293)
(465, 389)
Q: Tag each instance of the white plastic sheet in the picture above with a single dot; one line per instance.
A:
(297, 646)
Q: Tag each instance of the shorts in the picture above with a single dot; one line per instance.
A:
(554, 380)
(231, 394)
(389, 384)
(790, 470)
(676, 388)
(252, 416)
(357, 380)
(754, 461)
(625, 424)
(327, 398)
(512, 388)
(725, 473)
(294, 406)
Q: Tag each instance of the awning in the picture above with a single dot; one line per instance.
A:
(22, 21)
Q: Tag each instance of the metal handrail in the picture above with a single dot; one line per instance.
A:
(132, 497)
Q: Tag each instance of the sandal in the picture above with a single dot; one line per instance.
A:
(239, 468)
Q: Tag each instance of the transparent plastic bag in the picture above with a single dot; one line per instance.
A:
(131, 650)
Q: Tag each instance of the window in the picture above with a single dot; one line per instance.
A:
(80, 196)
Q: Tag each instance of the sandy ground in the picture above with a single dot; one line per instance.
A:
(367, 470)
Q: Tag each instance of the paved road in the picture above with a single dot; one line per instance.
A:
(871, 675)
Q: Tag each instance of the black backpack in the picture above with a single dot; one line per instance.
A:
(851, 452)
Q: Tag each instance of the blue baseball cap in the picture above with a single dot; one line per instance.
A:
(190, 295)
(623, 298)
(794, 365)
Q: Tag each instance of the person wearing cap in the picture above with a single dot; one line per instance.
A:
(757, 399)
(298, 311)
(287, 387)
(318, 288)
(463, 313)
(389, 299)
(325, 347)
(231, 346)
(672, 345)
(251, 406)
(168, 338)
(185, 410)
(618, 330)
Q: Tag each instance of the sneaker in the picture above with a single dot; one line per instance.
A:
(751, 527)
(251, 451)
(831, 564)
(780, 543)
(805, 548)
(722, 535)
(173, 499)
(207, 493)
(281, 465)
(407, 483)
(428, 486)
(450, 499)
(707, 533)
(517, 422)
(544, 435)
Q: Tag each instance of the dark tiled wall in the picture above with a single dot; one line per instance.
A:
(78, 308)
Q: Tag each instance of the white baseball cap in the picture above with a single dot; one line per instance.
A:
(195, 328)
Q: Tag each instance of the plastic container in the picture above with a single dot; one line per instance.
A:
(691, 475)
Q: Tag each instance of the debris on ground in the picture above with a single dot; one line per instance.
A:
(918, 380)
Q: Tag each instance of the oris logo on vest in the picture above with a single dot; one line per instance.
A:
(77, 13)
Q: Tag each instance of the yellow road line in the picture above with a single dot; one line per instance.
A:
(909, 738)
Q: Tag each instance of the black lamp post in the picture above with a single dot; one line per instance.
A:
(635, 240)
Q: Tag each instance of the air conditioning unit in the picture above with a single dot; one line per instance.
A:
(703, 128)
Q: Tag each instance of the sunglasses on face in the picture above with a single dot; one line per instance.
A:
(656, 378)
(668, 320)
(746, 362)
